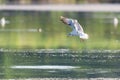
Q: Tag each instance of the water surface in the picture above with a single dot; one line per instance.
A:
(59, 63)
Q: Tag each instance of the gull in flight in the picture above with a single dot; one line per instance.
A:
(77, 29)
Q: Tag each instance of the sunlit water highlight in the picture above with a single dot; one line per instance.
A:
(44, 67)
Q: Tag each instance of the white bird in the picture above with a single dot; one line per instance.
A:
(3, 22)
(115, 22)
(77, 30)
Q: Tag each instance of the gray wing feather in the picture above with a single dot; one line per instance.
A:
(78, 27)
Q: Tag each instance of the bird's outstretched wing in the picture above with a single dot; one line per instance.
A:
(78, 27)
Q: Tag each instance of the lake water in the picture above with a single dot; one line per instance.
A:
(34, 46)
(59, 64)
(43, 29)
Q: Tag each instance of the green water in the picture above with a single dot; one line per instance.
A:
(60, 63)
(99, 26)
(27, 53)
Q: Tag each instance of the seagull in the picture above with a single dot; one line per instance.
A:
(77, 29)
(115, 22)
(3, 22)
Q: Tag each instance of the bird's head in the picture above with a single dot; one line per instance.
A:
(61, 17)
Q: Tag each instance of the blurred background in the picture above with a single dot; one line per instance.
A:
(56, 1)
(39, 28)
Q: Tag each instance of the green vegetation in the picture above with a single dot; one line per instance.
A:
(99, 26)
